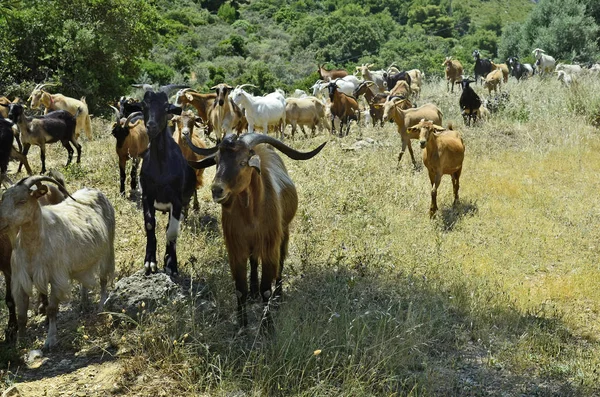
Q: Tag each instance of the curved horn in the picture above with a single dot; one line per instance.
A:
(255, 139)
(201, 151)
(131, 116)
(244, 85)
(206, 162)
(117, 113)
(33, 180)
(170, 87)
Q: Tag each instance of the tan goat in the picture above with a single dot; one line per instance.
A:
(453, 71)
(60, 102)
(443, 153)
(493, 81)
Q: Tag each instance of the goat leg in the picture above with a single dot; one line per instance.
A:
(238, 271)
(24, 153)
(150, 226)
(170, 259)
(253, 278)
(11, 329)
(70, 151)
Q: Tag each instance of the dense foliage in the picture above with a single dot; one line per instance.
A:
(97, 47)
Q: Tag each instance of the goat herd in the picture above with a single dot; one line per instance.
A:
(257, 196)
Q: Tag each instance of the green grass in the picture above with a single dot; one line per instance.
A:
(498, 296)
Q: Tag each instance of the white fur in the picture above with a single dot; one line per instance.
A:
(261, 111)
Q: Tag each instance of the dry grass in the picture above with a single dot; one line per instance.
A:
(498, 296)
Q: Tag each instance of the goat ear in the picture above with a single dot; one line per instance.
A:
(413, 129)
(254, 162)
(189, 97)
(37, 191)
(438, 128)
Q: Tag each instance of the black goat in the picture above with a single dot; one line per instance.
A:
(167, 181)
(6, 147)
(482, 66)
(390, 80)
(128, 105)
(55, 126)
(469, 102)
(519, 70)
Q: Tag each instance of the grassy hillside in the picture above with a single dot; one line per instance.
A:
(498, 296)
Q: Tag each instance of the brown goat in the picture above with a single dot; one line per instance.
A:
(258, 201)
(185, 126)
(407, 118)
(332, 74)
(493, 81)
(401, 89)
(132, 142)
(443, 153)
(503, 68)
(453, 71)
(366, 88)
(225, 115)
(344, 107)
(202, 102)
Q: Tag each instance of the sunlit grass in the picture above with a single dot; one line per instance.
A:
(497, 296)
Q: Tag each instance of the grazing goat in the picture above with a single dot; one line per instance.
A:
(225, 115)
(482, 66)
(443, 153)
(406, 118)
(167, 181)
(77, 108)
(453, 71)
(308, 111)
(493, 81)
(329, 75)
(55, 126)
(343, 106)
(374, 76)
(564, 78)
(502, 67)
(570, 69)
(469, 102)
(132, 142)
(52, 244)
(185, 123)
(258, 201)
(367, 88)
(261, 111)
(519, 70)
(546, 63)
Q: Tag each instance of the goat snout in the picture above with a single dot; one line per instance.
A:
(221, 101)
(423, 144)
(218, 193)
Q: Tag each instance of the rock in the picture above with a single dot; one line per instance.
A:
(139, 292)
(364, 143)
(11, 392)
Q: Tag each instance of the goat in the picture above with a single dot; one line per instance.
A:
(367, 89)
(132, 142)
(54, 196)
(546, 63)
(482, 66)
(308, 111)
(570, 69)
(185, 124)
(166, 179)
(564, 78)
(374, 76)
(453, 71)
(343, 106)
(261, 111)
(202, 102)
(493, 81)
(416, 81)
(347, 85)
(299, 93)
(502, 67)
(225, 115)
(390, 80)
(443, 153)
(258, 201)
(55, 126)
(329, 75)
(469, 102)
(519, 70)
(77, 108)
(52, 244)
(401, 89)
(406, 118)
(127, 106)
(4, 105)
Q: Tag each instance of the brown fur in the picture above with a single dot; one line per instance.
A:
(453, 71)
(225, 114)
(330, 75)
(493, 81)
(503, 68)
(346, 108)
(443, 153)
(60, 102)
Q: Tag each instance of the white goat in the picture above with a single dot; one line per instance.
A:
(375, 76)
(570, 69)
(565, 78)
(546, 62)
(347, 85)
(56, 243)
(261, 111)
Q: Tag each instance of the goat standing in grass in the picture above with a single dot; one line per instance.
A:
(56, 243)
(443, 153)
(258, 201)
